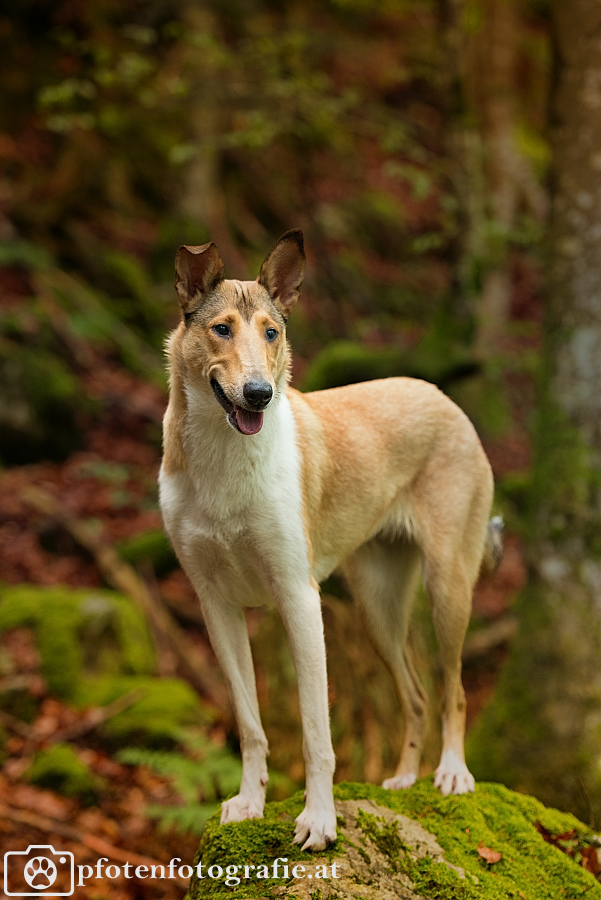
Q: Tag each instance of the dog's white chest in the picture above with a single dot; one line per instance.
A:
(236, 518)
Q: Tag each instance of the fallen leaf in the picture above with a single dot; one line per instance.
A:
(490, 855)
(590, 860)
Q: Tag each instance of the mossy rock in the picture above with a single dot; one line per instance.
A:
(79, 633)
(165, 707)
(61, 769)
(153, 546)
(347, 362)
(42, 405)
(95, 647)
(414, 844)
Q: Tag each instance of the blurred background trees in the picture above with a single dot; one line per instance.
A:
(408, 138)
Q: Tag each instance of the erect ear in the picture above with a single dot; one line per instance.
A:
(283, 269)
(198, 270)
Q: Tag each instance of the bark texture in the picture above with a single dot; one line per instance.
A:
(543, 730)
(510, 180)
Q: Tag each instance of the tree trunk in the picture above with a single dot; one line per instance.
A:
(542, 732)
(203, 199)
(510, 181)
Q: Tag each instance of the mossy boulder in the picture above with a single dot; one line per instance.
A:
(61, 769)
(346, 362)
(165, 707)
(79, 633)
(95, 647)
(414, 844)
(153, 546)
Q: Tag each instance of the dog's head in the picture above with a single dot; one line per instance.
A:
(234, 340)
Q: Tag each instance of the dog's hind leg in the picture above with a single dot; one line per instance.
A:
(383, 578)
(450, 591)
(229, 638)
(453, 546)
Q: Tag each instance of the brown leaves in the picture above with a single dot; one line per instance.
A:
(590, 861)
(487, 853)
(573, 844)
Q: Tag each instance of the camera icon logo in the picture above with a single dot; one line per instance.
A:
(39, 871)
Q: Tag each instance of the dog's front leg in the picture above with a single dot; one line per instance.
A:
(301, 612)
(229, 638)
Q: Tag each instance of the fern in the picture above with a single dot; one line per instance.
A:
(192, 818)
(201, 775)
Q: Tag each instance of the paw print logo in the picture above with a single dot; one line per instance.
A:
(46, 872)
(40, 872)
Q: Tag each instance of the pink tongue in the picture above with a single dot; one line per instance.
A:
(249, 422)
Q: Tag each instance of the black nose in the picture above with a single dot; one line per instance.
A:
(257, 393)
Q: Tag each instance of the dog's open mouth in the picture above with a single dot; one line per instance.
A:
(246, 421)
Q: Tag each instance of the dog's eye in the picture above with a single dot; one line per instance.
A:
(271, 334)
(222, 330)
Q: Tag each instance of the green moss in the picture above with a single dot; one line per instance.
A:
(498, 817)
(153, 546)
(503, 820)
(166, 706)
(347, 362)
(79, 633)
(255, 841)
(61, 769)
(95, 647)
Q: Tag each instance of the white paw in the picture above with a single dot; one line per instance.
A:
(453, 776)
(400, 781)
(316, 828)
(239, 808)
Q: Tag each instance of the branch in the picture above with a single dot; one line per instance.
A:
(97, 716)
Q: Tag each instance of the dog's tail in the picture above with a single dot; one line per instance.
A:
(493, 549)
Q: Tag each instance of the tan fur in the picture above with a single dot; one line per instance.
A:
(390, 479)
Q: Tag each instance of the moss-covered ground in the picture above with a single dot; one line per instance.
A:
(494, 817)
(95, 647)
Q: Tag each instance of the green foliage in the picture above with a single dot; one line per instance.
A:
(201, 776)
(153, 546)
(61, 769)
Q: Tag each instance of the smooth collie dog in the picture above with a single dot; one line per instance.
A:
(265, 491)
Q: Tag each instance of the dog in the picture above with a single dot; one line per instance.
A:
(265, 491)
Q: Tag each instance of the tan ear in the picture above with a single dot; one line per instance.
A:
(198, 270)
(283, 269)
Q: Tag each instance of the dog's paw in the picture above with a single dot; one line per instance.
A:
(400, 781)
(239, 808)
(453, 776)
(315, 829)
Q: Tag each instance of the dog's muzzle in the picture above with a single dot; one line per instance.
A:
(245, 419)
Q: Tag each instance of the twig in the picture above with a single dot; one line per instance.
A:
(125, 578)
(14, 724)
(91, 719)
(46, 824)
(96, 716)
(17, 682)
